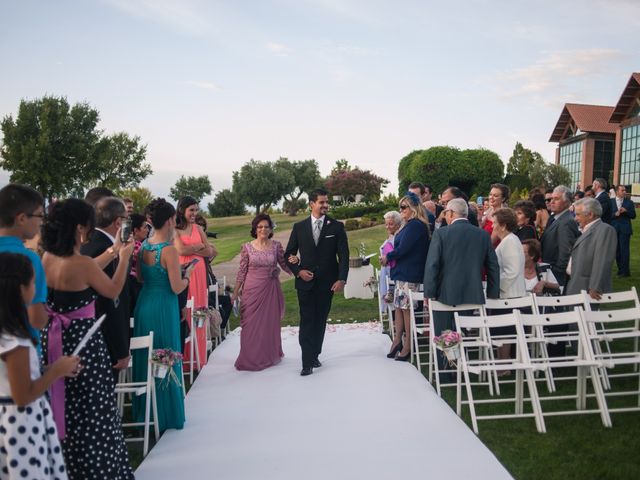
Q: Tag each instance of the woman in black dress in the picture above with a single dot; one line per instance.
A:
(84, 407)
(526, 215)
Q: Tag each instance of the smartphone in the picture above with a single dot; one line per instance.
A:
(191, 264)
(480, 200)
(125, 230)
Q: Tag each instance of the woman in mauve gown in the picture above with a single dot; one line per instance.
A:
(262, 302)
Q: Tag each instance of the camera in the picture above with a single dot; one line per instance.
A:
(212, 235)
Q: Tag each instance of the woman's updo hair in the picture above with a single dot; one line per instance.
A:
(506, 217)
(528, 208)
(256, 221)
(184, 203)
(534, 249)
(159, 211)
(59, 228)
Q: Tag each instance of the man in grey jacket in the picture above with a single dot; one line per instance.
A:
(593, 253)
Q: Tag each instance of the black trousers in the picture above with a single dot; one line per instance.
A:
(315, 306)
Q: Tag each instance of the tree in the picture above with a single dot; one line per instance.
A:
(341, 165)
(305, 177)
(226, 204)
(261, 184)
(120, 162)
(350, 182)
(558, 175)
(50, 145)
(434, 166)
(141, 197)
(522, 164)
(196, 187)
(484, 167)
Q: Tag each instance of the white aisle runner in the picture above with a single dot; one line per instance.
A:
(359, 416)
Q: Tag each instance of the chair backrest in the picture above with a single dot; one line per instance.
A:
(138, 343)
(468, 322)
(511, 303)
(612, 316)
(550, 319)
(576, 300)
(436, 306)
(611, 298)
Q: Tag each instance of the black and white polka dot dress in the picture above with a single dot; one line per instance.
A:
(29, 446)
(94, 446)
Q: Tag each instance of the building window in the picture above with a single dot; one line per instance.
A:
(630, 159)
(603, 160)
(571, 159)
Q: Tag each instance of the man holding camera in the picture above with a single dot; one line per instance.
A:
(110, 213)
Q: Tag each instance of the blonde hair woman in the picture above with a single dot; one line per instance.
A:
(409, 253)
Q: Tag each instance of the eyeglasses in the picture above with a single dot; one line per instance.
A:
(263, 227)
(404, 207)
(547, 200)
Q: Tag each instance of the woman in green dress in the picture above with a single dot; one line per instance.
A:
(157, 310)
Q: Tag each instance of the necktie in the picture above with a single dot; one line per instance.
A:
(552, 219)
(316, 231)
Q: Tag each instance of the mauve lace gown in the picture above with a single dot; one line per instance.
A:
(261, 306)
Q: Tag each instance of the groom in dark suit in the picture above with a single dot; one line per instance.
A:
(318, 240)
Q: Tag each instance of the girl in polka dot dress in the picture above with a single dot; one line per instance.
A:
(29, 447)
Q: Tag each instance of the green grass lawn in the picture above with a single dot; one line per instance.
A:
(574, 447)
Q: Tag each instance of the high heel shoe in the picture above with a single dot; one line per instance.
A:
(396, 349)
(406, 358)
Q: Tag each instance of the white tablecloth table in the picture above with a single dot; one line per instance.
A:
(355, 282)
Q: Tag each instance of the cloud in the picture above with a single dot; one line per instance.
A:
(555, 74)
(179, 14)
(278, 49)
(204, 85)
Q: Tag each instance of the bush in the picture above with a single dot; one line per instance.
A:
(360, 209)
(351, 224)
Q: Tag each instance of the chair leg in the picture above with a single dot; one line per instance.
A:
(602, 401)
(154, 405)
(147, 420)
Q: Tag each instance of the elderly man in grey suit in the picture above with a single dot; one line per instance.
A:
(593, 253)
(453, 270)
(560, 234)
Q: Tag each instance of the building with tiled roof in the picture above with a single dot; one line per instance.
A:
(601, 141)
(626, 115)
(586, 142)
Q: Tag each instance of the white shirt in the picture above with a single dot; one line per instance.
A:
(511, 261)
(313, 221)
(7, 344)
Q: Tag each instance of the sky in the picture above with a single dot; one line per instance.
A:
(209, 85)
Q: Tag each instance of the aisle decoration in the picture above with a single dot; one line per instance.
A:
(449, 342)
(162, 362)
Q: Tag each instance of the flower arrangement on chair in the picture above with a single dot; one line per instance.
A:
(372, 283)
(162, 361)
(449, 342)
(200, 315)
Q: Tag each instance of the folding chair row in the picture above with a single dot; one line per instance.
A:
(526, 366)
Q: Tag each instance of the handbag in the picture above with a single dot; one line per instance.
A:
(546, 292)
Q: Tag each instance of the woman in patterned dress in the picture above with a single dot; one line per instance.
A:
(84, 407)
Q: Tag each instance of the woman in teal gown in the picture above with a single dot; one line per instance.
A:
(157, 311)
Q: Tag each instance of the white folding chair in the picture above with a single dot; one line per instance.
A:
(492, 304)
(194, 351)
(584, 361)
(383, 310)
(435, 306)
(612, 301)
(147, 388)
(213, 342)
(467, 365)
(619, 328)
(420, 338)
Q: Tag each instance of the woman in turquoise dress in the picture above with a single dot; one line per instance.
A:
(157, 311)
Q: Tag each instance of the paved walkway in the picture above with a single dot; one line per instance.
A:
(230, 269)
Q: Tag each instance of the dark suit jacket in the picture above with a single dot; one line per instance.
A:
(115, 328)
(605, 201)
(557, 241)
(622, 222)
(320, 259)
(453, 272)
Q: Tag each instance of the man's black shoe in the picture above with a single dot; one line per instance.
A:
(316, 363)
(306, 371)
